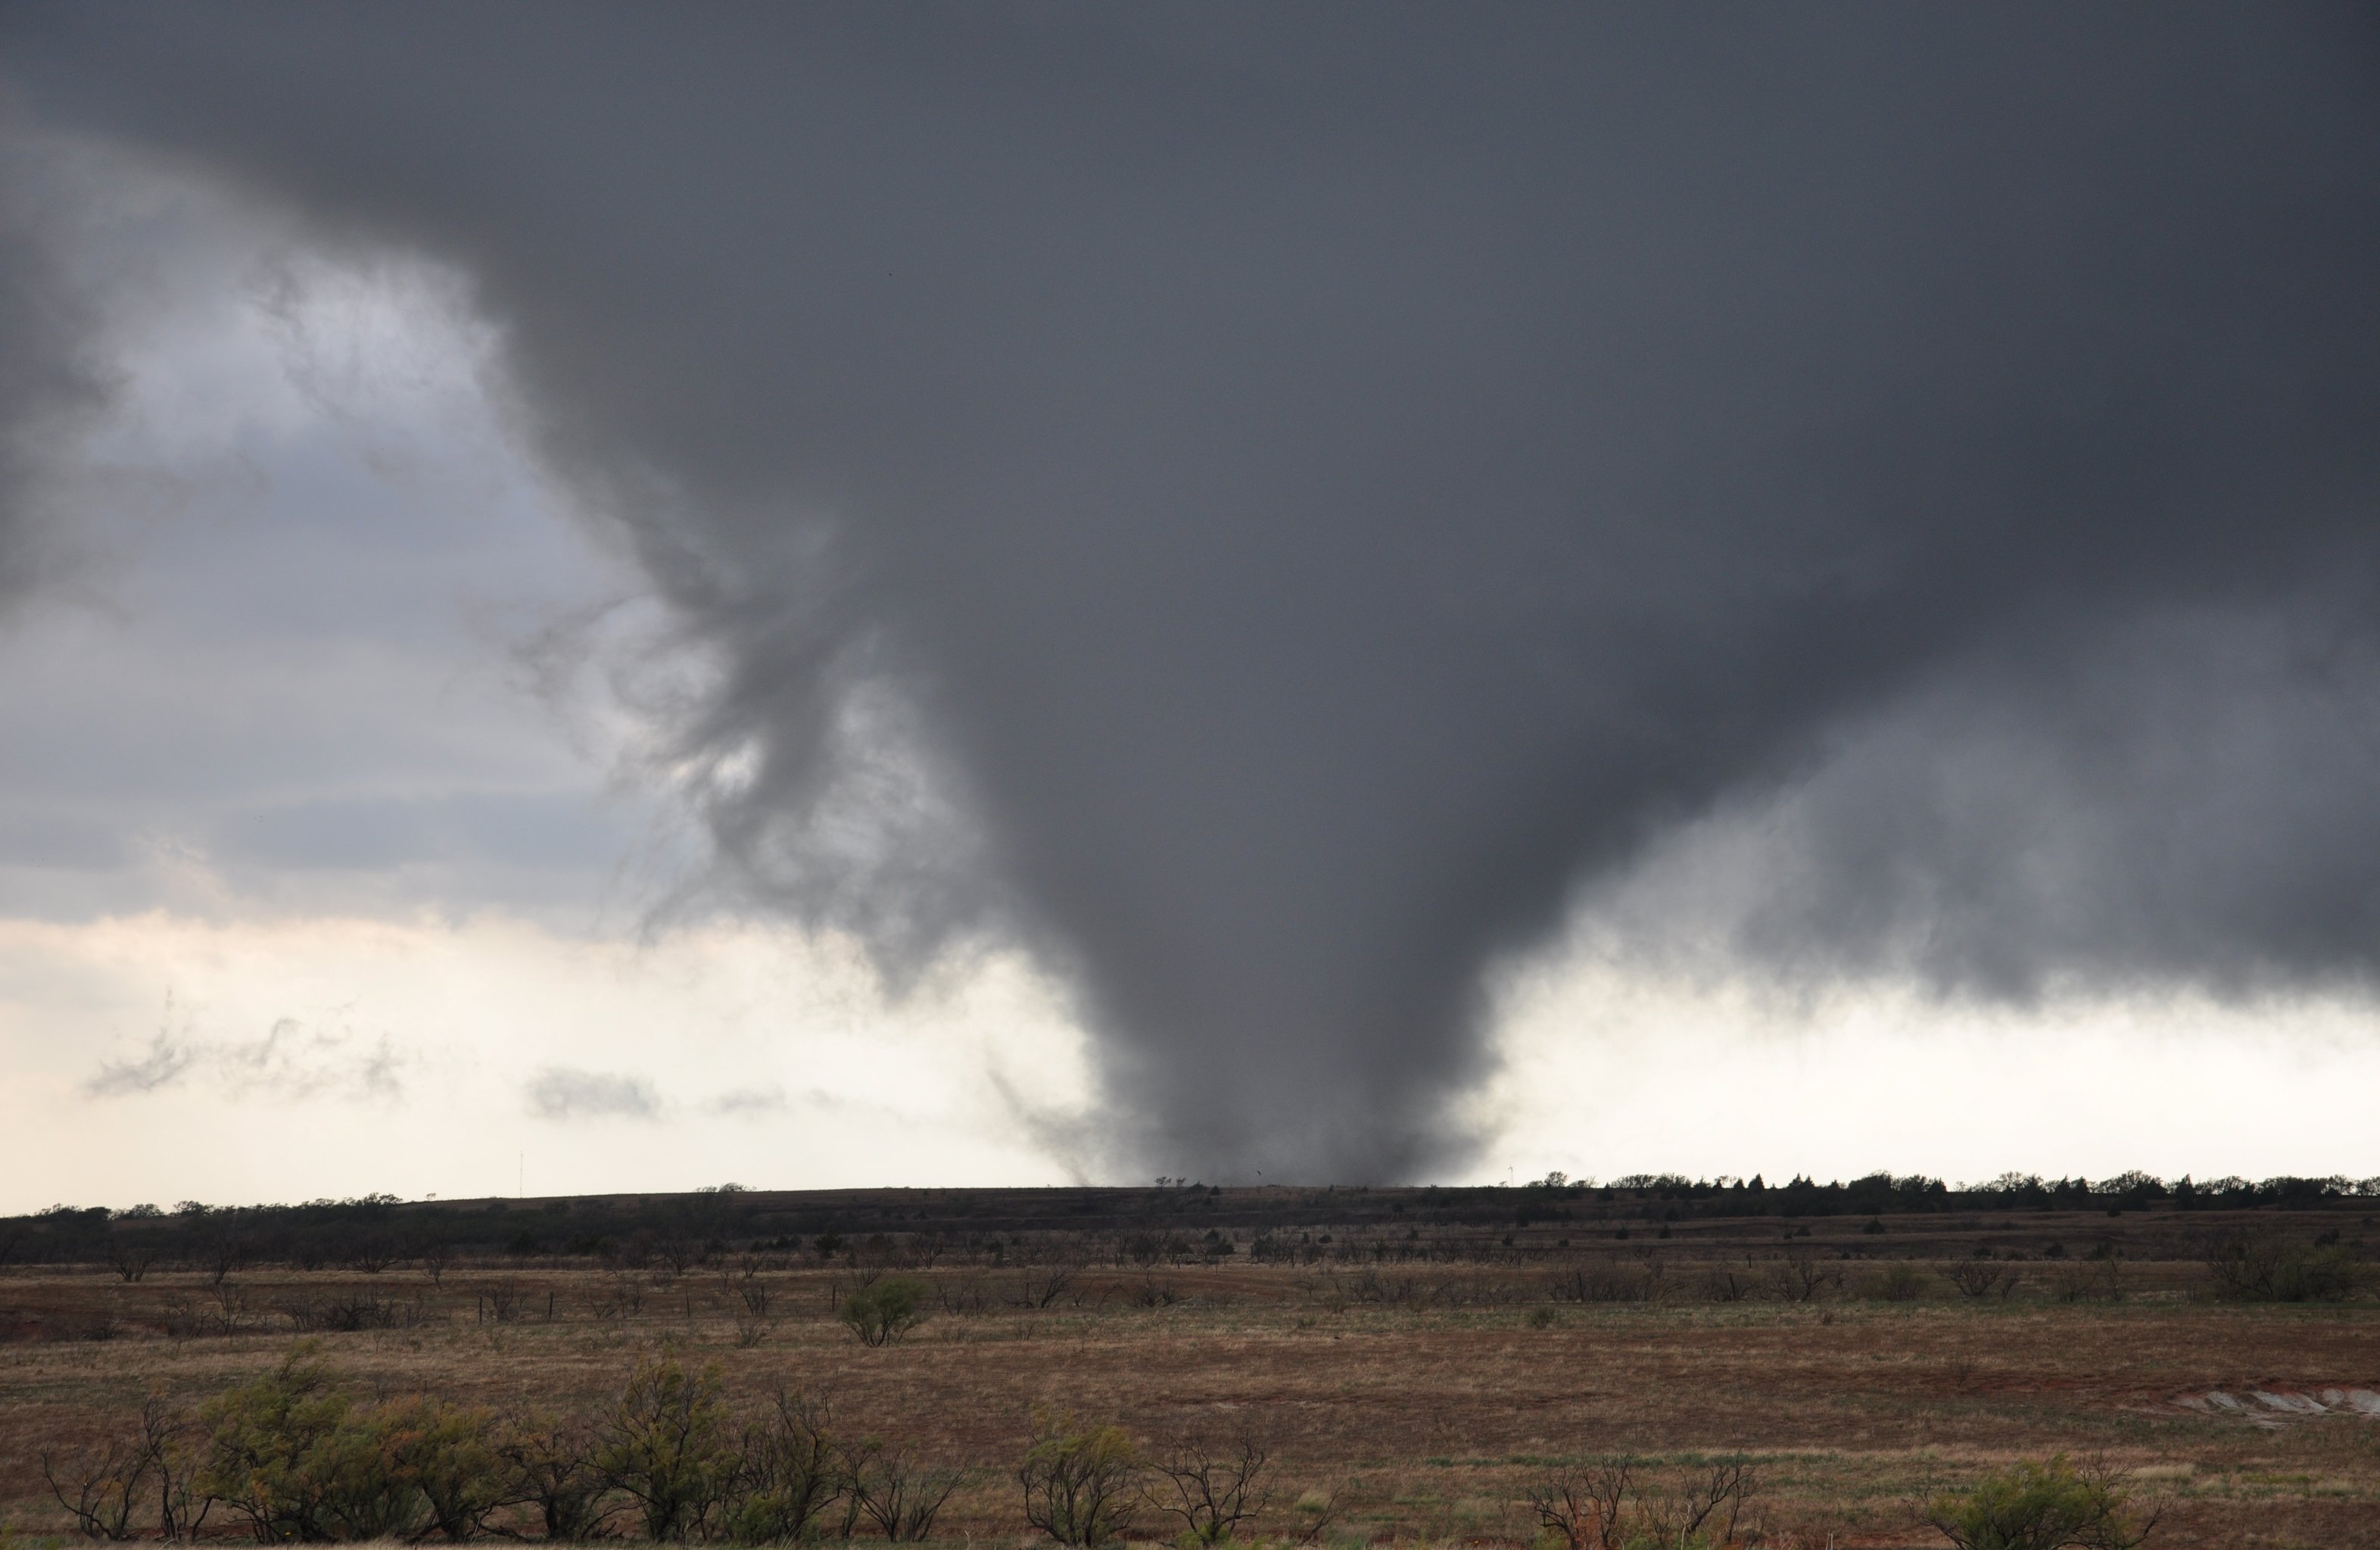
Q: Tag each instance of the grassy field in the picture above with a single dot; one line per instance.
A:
(1425, 1398)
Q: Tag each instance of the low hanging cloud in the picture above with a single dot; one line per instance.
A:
(564, 1092)
(1271, 509)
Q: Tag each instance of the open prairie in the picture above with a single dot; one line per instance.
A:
(1425, 1393)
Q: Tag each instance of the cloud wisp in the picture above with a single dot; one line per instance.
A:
(292, 1060)
(1265, 506)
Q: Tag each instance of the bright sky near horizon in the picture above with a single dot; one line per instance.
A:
(350, 841)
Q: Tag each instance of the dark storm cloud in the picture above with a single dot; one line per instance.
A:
(2187, 798)
(1327, 480)
(47, 382)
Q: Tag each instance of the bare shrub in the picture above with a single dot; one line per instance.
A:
(1980, 1278)
(1610, 1281)
(2087, 1281)
(1895, 1283)
(1724, 1285)
(621, 1295)
(355, 1308)
(146, 1468)
(1040, 1288)
(230, 1315)
(374, 1253)
(1212, 1489)
(130, 1261)
(1581, 1505)
(787, 1473)
(222, 1254)
(893, 1490)
(1319, 1513)
(961, 1295)
(1153, 1292)
(1704, 1507)
(1621, 1505)
(1799, 1275)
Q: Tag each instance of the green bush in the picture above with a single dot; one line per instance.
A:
(2050, 1505)
(2265, 1267)
(293, 1454)
(884, 1311)
(299, 1457)
(449, 1454)
(2308, 1274)
(552, 1461)
(788, 1473)
(666, 1443)
(1079, 1478)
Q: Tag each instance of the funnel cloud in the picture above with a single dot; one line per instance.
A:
(1277, 507)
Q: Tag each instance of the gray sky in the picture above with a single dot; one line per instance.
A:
(1274, 525)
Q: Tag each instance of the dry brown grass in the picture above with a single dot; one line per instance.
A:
(1429, 1411)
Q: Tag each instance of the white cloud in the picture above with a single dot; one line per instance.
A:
(816, 1075)
(1608, 1067)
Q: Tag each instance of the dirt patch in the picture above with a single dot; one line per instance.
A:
(2275, 1407)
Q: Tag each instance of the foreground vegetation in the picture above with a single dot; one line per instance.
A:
(1949, 1379)
(296, 1455)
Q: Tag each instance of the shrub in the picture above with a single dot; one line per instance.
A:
(1079, 1478)
(666, 1443)
(787, 1475)
(1980, 1278)
(1614, 1506)
(2266, 1267)
(894, 1491)
(884, 1311)
(552, 1466)
(1212, 1489)
(291, 1453)
(104, 1490)
(1897, 1283)
(449, 1454)
(1582, 1506)
(2047, 1506)
(1799, 1275)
